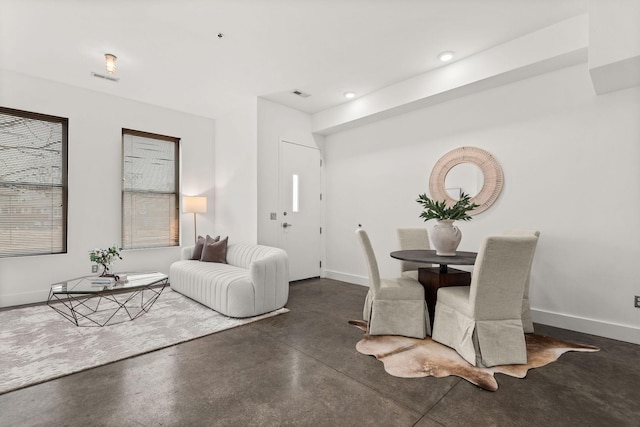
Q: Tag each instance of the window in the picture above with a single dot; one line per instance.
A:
(33, 183)
(150, 204)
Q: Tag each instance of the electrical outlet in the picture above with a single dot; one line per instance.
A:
(94, 268)
(637, 301)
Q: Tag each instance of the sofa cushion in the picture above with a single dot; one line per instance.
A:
(244, 254)
(223, 287)
(215, 250)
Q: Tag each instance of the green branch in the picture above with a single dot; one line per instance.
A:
(439, 210)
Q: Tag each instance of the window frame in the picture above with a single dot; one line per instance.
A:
(176, 192)
(64, 184)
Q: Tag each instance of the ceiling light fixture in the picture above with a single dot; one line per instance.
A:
(446, 56)
(349, 95)
(110, 62)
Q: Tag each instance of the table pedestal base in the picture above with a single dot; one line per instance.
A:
(433, 279)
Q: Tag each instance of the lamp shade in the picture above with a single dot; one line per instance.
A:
(194, 204)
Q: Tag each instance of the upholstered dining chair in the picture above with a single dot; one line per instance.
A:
(412, 238)
(392, 306)
(483, 321)
(527, 321)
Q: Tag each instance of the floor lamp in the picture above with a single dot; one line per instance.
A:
(194, 205)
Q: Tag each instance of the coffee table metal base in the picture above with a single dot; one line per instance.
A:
(109, 307)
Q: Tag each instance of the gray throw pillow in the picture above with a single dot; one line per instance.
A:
(197, 250)
(215, 250)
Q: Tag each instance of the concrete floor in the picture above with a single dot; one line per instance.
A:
(302, 369)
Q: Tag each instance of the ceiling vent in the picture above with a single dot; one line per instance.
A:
(102, 76)
(300, 93)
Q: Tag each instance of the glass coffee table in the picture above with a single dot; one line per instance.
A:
(98, 301)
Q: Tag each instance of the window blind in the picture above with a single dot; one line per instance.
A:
(150, 215)
(33, 183)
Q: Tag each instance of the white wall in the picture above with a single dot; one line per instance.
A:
(570, 161)
(614, 44)
(276, 123)
(614, 34)
(95, 149)
(236, 174)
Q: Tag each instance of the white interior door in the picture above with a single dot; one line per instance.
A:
(299, 215)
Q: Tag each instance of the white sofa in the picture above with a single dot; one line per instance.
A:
(254, 281)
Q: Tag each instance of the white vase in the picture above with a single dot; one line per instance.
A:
(446, 237)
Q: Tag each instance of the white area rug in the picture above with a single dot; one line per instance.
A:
(38, 344)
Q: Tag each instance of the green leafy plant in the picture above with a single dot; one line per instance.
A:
(439, 209)
(105, 257)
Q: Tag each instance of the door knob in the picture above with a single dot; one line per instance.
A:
(285, 225)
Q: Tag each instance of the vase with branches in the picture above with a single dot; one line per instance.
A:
(445, 236)
(105, 257)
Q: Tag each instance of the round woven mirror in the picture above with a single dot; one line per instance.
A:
(491, 174)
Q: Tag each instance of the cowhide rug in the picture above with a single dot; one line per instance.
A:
(414, 358)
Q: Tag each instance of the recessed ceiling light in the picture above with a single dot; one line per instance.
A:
(446, 56)
(110, 62)
(349, 95)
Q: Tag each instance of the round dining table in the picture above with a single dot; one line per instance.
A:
(428, 256)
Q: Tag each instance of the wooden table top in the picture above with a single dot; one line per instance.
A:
(430, 257)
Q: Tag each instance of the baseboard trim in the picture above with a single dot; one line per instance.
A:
(588, 326)
(24, 298)
(345, 277)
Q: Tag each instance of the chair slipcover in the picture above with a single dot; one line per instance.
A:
(412, 238)
(393, 306)
(527, 321)
(483, 321)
